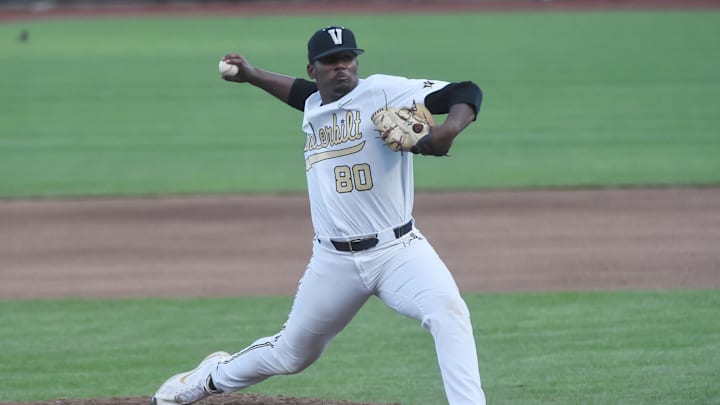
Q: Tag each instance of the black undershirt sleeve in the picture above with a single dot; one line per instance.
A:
(438, 102)
(469, 93)
(301, 89)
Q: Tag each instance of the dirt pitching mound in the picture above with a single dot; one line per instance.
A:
(230, 399)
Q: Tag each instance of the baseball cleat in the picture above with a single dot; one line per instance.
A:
(191, 386)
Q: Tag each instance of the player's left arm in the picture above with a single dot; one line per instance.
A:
(461, 102)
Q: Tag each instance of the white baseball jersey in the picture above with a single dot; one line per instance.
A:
(357, 186)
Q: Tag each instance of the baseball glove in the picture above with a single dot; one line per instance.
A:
(401, 129)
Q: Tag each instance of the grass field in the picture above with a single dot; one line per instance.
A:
(627, 347)
(135, 106)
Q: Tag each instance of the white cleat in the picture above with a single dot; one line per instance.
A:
(191, 386)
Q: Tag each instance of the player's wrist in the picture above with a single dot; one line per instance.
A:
(432, 146)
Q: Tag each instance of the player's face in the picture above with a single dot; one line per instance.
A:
(335, 75)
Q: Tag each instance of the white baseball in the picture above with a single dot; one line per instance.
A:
(227, 69)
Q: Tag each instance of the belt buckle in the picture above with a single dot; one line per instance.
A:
(350, 244)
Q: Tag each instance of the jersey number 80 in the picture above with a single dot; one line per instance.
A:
(349, 178)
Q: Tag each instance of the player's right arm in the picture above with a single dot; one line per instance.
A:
(288, 89)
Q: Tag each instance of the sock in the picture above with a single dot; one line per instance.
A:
(211, 385)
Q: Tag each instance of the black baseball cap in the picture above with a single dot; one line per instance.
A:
(330, 40)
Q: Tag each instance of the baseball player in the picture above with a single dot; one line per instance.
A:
(360, 139)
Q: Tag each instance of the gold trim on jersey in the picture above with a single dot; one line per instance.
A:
(339, 131)
(331, 154)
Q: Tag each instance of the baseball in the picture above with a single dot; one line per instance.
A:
(227, 69)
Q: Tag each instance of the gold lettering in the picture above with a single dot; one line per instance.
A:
(354, 132)
(337, 133)
(323, 135)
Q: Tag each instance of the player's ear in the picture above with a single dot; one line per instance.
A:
(311, 71)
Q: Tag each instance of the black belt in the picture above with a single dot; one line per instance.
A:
(363, 244)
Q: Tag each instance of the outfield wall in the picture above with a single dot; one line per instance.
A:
(48, 5)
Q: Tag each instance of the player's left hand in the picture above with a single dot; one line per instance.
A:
(432, 146)
(402, 128)
(440, 138)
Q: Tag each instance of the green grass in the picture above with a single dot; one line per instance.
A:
(135, 106)
(629, 347)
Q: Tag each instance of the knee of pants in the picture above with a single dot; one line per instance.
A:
(294, 363)
(448, 310)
